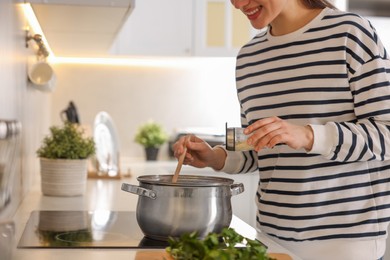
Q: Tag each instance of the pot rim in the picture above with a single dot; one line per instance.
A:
(185, 180)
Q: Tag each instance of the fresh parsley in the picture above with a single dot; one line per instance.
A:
(227, 245)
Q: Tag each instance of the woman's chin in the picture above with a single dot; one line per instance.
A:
(258, 26)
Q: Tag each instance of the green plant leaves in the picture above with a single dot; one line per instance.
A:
(227, 245)
(151, 134)
(66, 142)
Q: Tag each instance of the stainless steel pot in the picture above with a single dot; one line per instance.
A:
(193, 203)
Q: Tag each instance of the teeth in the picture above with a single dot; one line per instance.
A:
(253, 11)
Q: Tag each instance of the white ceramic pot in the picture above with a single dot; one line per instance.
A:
(62, 177)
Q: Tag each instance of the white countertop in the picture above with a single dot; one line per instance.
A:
(104, 194)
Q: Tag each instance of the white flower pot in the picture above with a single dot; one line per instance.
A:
(62, 177)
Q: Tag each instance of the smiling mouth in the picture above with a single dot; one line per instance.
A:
(253, 13)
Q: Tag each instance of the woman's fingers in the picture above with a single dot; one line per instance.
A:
(269, 132)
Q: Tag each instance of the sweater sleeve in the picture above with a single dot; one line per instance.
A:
(240, 161)
(368, 137)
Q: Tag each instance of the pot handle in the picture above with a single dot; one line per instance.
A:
(236, 188)
(138, 190)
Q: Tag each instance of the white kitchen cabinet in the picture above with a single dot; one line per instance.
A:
(81, 28)
(183, 28)
(157, 28)
(220, 29)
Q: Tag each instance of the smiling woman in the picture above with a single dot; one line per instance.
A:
(314, 90)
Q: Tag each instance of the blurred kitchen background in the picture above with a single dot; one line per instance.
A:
(170, 61)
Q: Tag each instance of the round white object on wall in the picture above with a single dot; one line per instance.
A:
(42, 75)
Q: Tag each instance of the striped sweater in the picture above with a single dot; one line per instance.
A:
(332, 74)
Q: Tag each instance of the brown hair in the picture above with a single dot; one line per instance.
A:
(313, 4)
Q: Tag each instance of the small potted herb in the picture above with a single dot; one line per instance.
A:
(151, 136)
(63, 159)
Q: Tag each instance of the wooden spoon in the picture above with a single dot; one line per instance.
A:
(179, 164)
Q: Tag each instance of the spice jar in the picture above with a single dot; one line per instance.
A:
(236, 140)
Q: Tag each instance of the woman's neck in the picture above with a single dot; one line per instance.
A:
(293, 17)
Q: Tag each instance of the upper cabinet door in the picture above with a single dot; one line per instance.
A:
(157, 28)
(220, 29)
(183, 28)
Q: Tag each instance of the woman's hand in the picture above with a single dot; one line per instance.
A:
(199, 153)
(271, 131)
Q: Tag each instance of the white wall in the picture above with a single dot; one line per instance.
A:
(18, 101)
(196, 92)
(382, 25)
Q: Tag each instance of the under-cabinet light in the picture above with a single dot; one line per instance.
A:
(36, 28)
(181, 62)
(137, 62)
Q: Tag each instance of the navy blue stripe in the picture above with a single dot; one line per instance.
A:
(311, 41)
(335, 236)
(286, 155)
(361, 44)
(352, 147)
(374, 114)
(381, 139)
(244, 163)
(371, 87)
(332, 16)
(326, 177)
(325, 215)
(301, 167)
(353, 143)
(330, 226)
(341, 140)
(369, 141)
(372, 100)
(297, 90)
(253, 164)
(257, 37)
(326, 203)
(356, 57)
(299, 103)
(326, 190)
(291, 44)
(355, 24)
(292, 67)
(368, 74)
(362, 152)
(249, 163)
(374, 32)
(297, 78)
(318, 115)
(291, 56)
(314, 115)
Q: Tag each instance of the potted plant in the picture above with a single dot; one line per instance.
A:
(151, 136)
(63, 159)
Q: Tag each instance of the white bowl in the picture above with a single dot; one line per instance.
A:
(42, 75)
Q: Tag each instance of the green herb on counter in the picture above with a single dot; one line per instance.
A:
(227, 245)
(66, 142)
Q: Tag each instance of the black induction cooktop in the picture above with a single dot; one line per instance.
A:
(85, 229)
